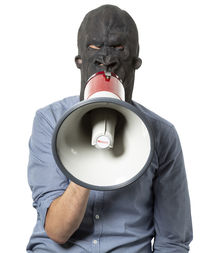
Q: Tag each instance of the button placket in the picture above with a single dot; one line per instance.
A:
(98, 205)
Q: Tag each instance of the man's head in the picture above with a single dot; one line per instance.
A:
(108, 40)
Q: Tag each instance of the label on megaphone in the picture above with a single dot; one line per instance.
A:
(102, 142)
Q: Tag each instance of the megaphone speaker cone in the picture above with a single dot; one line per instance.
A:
(128, 156)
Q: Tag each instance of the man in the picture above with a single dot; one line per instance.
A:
(74, 219)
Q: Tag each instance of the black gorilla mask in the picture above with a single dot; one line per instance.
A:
(108, 41)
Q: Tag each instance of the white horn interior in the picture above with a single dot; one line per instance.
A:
(107, 167)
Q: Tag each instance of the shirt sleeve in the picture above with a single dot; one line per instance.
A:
(172, 215)
(45, 179)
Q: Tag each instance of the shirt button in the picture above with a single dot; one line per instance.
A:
(97, 216)
(94, 241)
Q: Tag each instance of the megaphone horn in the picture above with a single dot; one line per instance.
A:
(103, 143)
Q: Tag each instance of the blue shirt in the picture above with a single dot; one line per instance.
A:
(156, 206)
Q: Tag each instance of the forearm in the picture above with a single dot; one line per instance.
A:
(66, 213)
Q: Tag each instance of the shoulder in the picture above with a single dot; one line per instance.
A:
(164, 132)
(159, 125)
(54, 111)
(152, 117)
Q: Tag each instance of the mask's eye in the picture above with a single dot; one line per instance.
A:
(94, 47)
(119, 47)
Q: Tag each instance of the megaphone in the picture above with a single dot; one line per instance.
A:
(103, 142)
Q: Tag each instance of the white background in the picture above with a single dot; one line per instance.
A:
(37, 49)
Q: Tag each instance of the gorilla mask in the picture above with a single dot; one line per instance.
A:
(108, 41)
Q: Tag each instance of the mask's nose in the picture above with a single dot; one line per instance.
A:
(107, 62)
